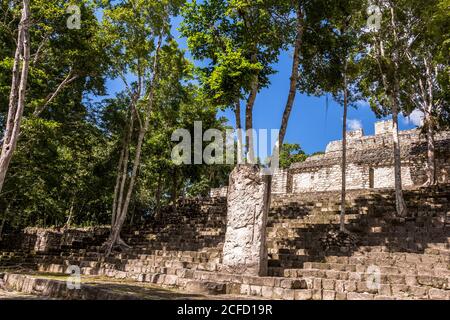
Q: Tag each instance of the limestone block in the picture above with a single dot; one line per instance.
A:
(303, 294)
(245, 250)
(267, 292)
(329, 295)
(359, 296)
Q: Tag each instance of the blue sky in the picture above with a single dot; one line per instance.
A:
(310, 124)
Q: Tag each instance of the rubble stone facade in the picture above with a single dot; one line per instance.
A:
(370, 162)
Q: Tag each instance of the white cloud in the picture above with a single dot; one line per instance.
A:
(362, 104)
(415, 118)
(354, 124)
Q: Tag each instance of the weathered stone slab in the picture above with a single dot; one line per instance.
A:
(244, 250)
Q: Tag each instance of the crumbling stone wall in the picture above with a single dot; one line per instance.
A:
(219, 192)
(327, 178)
(280, 181)
(52, 239)
(370, 162)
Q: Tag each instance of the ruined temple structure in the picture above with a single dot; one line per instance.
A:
(370, 163)
(237, 246)
(184, 251)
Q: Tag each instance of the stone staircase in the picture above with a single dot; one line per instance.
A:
(407, 258)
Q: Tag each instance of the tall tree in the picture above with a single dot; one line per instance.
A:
(330, 64)
(241, 38)
(17, 94)
(422, 42)
(63, 66)
(381, 82)
(138, 30)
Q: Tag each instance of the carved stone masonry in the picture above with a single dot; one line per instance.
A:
(245, 250)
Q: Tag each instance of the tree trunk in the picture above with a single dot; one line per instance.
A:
(399, 200)
(249, 116)
(114, 237)
(17, 94)
(174, 189)
(158, 197)
(5, 216)
(117, 228)
(431, 158)
(291, 95)
(122, 170)
(293, 79)
(237, 112)
(431, 168)
(117, 186)
(69, 219)
(393, 93)
(344, 154)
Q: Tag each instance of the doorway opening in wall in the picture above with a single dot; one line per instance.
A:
(371, 178)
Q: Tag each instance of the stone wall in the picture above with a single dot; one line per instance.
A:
(219, 192)
(52, 239)
(383, 177)
(280, 181)
(370, 162)
(329, 179)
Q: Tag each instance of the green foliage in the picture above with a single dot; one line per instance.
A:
(67, 157)
(291, 153)
(332, 48)
(240, 39)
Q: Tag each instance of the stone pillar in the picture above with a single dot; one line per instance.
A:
(245, 249)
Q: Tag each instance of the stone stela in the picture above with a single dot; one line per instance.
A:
(245, 249)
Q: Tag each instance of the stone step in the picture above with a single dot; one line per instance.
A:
(58, 289)
(390, 258)
(319, 281)
(434, 269)
(440, 282)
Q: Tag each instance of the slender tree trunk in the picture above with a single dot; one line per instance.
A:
(69, 219)
(431, 170)
(174, 189)
(158, 196)
(117, 186)
(392, 91)
(237, 112)
(293, 79)
(291, 95)
(399, 199)
(249, 123)
(431, 158)
(426, 106)
(122, 170)
(117, 227)
(17, 94)
(249, 116)
(5, 216)
(344, 154)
